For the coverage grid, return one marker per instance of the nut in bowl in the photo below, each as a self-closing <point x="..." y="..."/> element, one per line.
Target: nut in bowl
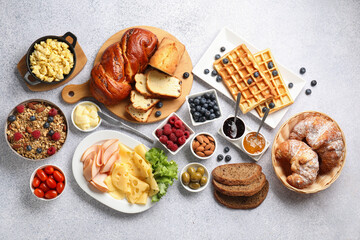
<point x="36" y="129"/>
<point x="173" y="133"/>
<point x="203" y="107"/>
<point x="47" y="182"/>
<point x="203" y="145"/>
<point x="318" y="154"/>
<point x="194" y="177"/>
<point x="84" y="116"/>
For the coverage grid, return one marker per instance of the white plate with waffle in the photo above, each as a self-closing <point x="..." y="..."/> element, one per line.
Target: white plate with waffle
<point x="228" y="39"/>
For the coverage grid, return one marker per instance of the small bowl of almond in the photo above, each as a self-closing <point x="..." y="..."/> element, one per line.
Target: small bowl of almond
<point x="203" y="145"/>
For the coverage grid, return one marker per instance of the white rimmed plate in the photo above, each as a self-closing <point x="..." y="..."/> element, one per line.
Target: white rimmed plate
<point x="105" y="198"/>
<point x="228" y="39"/>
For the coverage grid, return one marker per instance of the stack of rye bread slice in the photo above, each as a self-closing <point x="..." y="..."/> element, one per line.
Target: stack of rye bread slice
<point x="240" y="185"/>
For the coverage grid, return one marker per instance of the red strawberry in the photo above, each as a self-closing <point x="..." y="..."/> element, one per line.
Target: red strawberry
<point x="163" y="139"/>
<point x="179" y="133"/>
<point x="172" y="137"/>
<point x="51" y="151"/>
<point x="178" y="124"/>
<point x="167" y="131"/>
<point x="158" y="132"/>
<point x="53" y="112"/>
<point x="181" y="140"/>
<point x="20" y="108"/>
<point x="17" y="136"/>
<point x="56" y="136"/>
<point x="36" y="134"/>
<point x="187" y="134"/>
<point x="172" y="120"/>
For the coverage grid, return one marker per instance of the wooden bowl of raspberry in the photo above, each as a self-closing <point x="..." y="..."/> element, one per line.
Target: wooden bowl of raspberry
<point x="173" y="133"/>
<point x="36" y="129"/>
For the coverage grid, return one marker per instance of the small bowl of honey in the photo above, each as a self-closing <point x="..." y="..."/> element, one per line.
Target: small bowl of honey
<point x="253" y="145"/>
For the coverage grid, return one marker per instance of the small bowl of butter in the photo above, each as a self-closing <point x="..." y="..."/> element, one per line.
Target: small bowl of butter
<point x="85" y="116"/>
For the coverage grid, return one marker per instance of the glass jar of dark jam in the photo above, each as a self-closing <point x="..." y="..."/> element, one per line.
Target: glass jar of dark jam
<point x="229" y="130"/>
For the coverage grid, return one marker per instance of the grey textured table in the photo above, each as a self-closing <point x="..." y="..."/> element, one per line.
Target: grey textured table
<point x="323" y="36"/>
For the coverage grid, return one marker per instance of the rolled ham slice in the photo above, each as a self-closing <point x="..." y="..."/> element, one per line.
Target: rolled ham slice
<point x="98" y="182"/>
<point x="107" y="167"/>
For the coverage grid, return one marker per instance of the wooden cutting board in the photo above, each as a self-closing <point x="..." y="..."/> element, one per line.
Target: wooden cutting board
<point x="41" y="87"/>
<point x="74" y="93"/>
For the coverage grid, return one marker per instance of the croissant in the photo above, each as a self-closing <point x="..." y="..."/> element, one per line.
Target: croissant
<point x="324" y="137"/>
<point x="111" y="78"/>
<point x="304" y="162"/>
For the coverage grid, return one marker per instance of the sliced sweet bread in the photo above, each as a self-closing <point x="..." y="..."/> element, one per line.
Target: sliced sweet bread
<point x="139" y="115"/>
<point x="243" y="202"/>
<point x="140" y="102"/>
<point x="140" y="86"/>
<point x="163" y="85"/>
<point x="237" y="173"/>
<point x="241" y="190"/>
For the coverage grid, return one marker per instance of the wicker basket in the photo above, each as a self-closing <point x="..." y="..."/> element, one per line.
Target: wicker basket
<point x="283" y="170"/>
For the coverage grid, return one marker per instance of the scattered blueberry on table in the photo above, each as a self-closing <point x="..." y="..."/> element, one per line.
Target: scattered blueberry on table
<point x="308" y="91"/>
<point x="206" y="71"/>
<point x="186" y="75"/>
<point x="226" y="149"/>
<point x="217" y="56"/>
<point x="313" y="83"/>
<point x="214" y="73"/>
<point x="302" y="70"/>
<point x="218" y="78"/>
<point x="220" y="157"/>
<point x="227" y="158"/>
<point x="290" y="85"/>
<point x="222" y="49"/>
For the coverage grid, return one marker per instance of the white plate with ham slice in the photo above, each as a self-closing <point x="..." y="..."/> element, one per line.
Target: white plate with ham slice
<point x="93" y="187"/>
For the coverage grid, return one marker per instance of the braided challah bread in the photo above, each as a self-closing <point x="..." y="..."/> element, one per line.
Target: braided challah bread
<point x="324" y="137"/>
<point x="304" y="162"/>
<point x="111" y="78"/>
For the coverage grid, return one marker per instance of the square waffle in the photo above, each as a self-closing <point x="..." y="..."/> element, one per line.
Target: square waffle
<point x="282" y="96"/>
<point x="236" y="68"/>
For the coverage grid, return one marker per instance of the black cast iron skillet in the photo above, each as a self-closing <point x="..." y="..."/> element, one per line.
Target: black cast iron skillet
<point x="31" y="49"/>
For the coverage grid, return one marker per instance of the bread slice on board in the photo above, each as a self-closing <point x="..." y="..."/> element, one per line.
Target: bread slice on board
<point x="163" y="85"/>
<point x="168" y="56"/>
<point x="243" y="202"/>
<point x="236" y="173"/>
<point x="241" y="190"/>
<point x="140" y="102"/>
<point x="140" y="86"/>
<point x="139" y="115"/>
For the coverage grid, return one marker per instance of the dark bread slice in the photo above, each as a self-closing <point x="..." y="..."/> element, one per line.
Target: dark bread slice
<point x="241" y="190"/>
<point x="243" y="202"/>
<point x="236" y="173"/>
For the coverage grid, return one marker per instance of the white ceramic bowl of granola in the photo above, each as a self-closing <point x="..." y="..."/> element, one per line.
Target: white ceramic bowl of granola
<point x="195" y="165"/>
<point x="85" y="103"/>
<point x="32" y="189"/>
<point x="20" y="147"/>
